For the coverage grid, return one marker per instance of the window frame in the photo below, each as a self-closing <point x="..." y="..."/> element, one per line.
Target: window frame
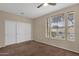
<point x="65" y="16"/>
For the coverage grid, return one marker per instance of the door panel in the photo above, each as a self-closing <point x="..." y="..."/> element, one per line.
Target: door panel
<point x="16" y="32"/>
<point x="10" y="32"/>
<point x="23" y="32"/>
<point x="28" y="32"/>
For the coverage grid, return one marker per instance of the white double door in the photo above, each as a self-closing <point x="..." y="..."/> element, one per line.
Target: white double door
<point x="16" y="32"/>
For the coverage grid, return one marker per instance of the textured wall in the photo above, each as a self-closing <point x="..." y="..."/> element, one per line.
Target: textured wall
<point x="40" y="27"/>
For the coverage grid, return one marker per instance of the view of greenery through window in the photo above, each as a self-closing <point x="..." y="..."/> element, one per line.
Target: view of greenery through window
<point x="71" y="27"/>
<point x="57" y="26"/>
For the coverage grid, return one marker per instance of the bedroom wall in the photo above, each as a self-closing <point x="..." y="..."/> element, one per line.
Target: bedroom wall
<point x="40" y="27"/>
<point x="9" y="16"/>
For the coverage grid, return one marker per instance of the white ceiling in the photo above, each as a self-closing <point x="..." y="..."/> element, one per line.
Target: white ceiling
<point x="30" y="10"/>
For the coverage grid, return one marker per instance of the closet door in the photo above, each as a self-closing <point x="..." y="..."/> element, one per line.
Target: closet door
<point x="10" y="32"/>
<point x="28" y="31"/>
<point x="23" y="32"/>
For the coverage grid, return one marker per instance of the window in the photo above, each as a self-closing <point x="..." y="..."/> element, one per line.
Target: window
<point x="57" y="27"/>
<point x="61" y="26"/>
<point x="71" y="26"/>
